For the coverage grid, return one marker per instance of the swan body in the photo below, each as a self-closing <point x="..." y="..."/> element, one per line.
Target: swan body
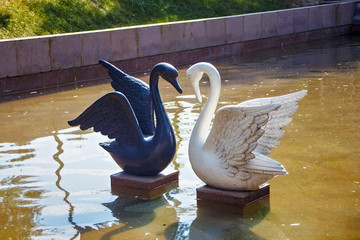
<point x="232" y="155"/>
<point x="127" y="114"/>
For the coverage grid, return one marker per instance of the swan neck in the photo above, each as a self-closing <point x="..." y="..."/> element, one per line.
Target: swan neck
<point x="160" y="113"/>
<point x="202" y="126"/>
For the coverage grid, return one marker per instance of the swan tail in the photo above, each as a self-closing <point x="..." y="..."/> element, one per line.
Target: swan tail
<point x="265" y="164"/>
<point x="112" y="68"/>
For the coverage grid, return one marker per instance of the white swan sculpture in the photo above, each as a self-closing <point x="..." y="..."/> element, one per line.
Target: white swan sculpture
<point x="232" y="155"/>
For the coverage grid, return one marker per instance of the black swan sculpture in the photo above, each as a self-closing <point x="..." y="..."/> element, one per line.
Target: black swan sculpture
<point x="140" y="147"/>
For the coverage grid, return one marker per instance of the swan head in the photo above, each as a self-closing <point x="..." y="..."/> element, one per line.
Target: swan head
<point x="195" y="73"/>
<point x="169" y="73"/>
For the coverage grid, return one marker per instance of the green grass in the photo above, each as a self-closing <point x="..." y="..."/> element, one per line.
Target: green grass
<point x="22" y="18"/>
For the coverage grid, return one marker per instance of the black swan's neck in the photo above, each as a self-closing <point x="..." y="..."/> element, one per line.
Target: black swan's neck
<point x="162" y="119"/>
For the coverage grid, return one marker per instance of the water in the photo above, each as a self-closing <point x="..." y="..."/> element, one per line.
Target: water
<point x="55" y="180"/>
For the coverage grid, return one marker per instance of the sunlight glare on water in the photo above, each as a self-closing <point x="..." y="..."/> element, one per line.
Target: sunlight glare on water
<point x="55" y="180"/>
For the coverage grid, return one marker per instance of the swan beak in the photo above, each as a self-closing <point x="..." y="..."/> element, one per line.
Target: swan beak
<point x="176" y="85"/>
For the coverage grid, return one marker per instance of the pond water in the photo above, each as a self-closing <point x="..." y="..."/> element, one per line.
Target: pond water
<point x="55" y="180"/>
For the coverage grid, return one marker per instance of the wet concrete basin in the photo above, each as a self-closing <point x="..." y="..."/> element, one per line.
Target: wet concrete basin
<point x="50" y="187"/>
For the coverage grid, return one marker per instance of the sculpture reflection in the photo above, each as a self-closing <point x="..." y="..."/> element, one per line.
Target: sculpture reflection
<point x="219" y="223"/>
<point x="137" y="219"/>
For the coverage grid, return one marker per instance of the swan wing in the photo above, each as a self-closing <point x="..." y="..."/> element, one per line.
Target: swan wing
<point x="111" y="115"/>
<point x="278" y="119"/>
<point x="138" y="94"/>
<point x="234" y="134"/>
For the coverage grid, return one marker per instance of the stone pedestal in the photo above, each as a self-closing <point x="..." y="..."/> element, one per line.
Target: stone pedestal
<point x="145" y="187"/>
<point x="239" y="202"/>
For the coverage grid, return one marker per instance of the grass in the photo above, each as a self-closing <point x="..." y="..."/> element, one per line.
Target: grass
<point x="23" y="18"/>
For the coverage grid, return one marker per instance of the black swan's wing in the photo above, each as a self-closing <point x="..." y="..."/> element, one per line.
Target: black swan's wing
<point x="138" y="94"/>
<point x="112" y="116"/>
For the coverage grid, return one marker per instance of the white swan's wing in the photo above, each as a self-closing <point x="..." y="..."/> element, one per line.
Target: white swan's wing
<point x="278" y="119"/>
<point x="235" y="132"/>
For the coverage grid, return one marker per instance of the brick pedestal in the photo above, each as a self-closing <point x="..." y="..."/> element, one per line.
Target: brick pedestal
<point x="145" y="187"/>
<point x="233" y="201"/>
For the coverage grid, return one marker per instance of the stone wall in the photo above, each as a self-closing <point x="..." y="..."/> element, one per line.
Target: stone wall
<point x="38" y="63"/>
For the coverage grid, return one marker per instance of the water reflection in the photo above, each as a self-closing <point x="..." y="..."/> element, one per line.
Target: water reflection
<point x="54" y="179"/>
<point x="136" y="219"/>
<point x="174" y="118"/>
<point x="216" y="225"/>
<point x="18" y="194"/>
<point x="56" y="157"/>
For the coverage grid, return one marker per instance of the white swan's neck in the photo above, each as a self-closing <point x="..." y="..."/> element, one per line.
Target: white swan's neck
<point x="202" y="127"/>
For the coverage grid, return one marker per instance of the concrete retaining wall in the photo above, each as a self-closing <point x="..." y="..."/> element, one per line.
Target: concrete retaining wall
<point x="44" y="62"/>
